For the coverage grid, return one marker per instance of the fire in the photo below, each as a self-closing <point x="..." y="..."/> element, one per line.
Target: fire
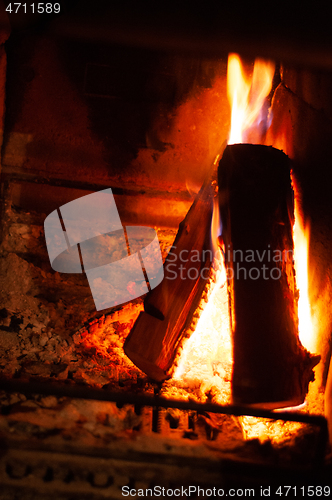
<point x="205" y="364"/>
<point x="204" y="367"/>
<point x="301" y="236"/>
<point x="247" y="97"/>
<point x="208" y="352"/>
<point x="247" y="102"/>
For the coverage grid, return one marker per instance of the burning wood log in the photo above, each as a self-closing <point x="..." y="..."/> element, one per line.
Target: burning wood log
<point x="271" y="367"/>
<point x="154" y="339"/>
<point x="189" y="255"/>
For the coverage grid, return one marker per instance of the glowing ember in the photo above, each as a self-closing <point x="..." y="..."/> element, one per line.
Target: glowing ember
<point x="301" y="234"/>
<point x="247" y="97"/>
<point x="265" y="429"/>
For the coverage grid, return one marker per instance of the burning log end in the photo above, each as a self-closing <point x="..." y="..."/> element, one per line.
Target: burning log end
<point x="313" y="361"/>
<point x="141" y="346"/>
<point x="306" y="373"/>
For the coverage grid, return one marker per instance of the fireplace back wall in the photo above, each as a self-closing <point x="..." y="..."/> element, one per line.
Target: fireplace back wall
<point x="84" y="113"/>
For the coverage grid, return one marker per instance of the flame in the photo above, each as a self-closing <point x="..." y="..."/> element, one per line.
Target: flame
<point x="205" y="363"/>
<point x="205" y="333"/>
<point x="216" y="227"/>
<point x="301" y="237"/>
<point x="247" y="97"/>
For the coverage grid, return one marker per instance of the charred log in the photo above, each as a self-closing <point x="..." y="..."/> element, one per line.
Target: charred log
<point x="271" y="367"/>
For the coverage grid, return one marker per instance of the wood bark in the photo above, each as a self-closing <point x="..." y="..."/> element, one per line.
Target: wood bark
<point x="155" y="336"/>
<point x="271" y="367"/>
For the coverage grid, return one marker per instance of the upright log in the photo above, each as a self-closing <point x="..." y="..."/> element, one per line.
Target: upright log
<point x="271" y="367"/>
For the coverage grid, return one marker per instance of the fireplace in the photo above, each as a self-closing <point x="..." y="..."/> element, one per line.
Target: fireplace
<point x="89" y="109"/>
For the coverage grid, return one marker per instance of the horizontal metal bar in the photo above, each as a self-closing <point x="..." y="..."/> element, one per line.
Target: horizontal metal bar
<point x="79" y="392"/>
<point x="18" y="176"/>
<point x="122" y="398"/>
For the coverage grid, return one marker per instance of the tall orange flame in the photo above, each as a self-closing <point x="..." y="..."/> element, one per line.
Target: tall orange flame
<point x="301" y="237"/>
<point x="247" y="96"/>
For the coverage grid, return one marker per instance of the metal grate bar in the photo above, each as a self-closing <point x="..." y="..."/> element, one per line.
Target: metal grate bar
<point x="78" y="392"/>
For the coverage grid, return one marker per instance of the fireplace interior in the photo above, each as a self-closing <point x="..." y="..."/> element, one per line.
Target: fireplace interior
<point x="116" y="99"/>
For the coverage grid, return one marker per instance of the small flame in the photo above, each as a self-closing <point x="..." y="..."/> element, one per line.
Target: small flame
<point x="301" y="237"/>
<point x="216" y="226"/>
<point x="247" y="97"/>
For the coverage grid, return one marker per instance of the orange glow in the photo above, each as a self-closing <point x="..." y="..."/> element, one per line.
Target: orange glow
<point x="247" y="97"/>
<point x="205" y="363"/>
<point x="208" y="353"/>
<point x="301" y="236"/>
